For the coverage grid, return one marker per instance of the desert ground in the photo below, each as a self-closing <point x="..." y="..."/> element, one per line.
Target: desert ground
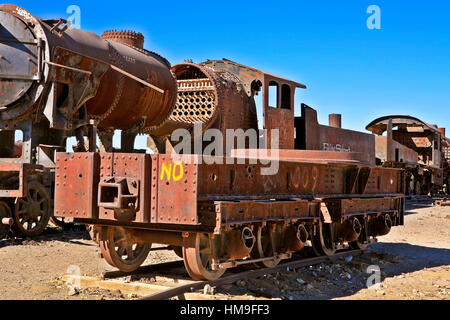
<point x="414" y="261"/>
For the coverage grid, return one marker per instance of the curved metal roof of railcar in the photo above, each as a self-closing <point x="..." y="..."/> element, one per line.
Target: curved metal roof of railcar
<point x="380" y="125"/>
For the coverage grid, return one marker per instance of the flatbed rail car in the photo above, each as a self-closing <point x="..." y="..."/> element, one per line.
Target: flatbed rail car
<point x="419" y="148"/>
<point x="218" y="217"/>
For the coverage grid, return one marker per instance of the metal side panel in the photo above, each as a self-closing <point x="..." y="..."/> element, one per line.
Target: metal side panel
<point x="76" y="185"/>
<point x="174" y="191"/>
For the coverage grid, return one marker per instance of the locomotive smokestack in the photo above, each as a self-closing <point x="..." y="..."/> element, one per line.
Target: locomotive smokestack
<point x="336" y="121"/>
<point x="129" y="38"/>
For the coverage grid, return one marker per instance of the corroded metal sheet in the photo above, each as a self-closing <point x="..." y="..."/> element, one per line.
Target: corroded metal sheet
<point x="174" y="190"/>
<point x="76" y="184"/>
<point x="340" y="208"/>
<point x="313" y="136"/>
<point x="283" y="121"/>
<point x="241" y="211"/>
<point x="128" y="166"/>
<point x="14" y="179"/>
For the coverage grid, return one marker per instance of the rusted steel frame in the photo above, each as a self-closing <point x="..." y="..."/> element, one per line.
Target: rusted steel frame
<point x="179" y="291"/>
<point x="302" y="156"/>
<point x="369" y="213"/>
<point x="192" y="183"/>
<point x="159" y="237"/>
<point x="320" y="197"/>
<point x="256" y="211"/>
<point x="146" y="227"/>
<point x="234" y="264"/>
<point x="339" y="208"/>
<point x="23" y="171"/>
<point x="240" y="222"/>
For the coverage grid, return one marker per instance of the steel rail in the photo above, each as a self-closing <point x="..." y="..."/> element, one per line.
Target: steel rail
<point x="181" y="290"/>
<point x="142" y="270"/>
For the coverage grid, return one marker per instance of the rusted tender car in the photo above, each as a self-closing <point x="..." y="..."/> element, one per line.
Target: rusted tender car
<point x="221" y="212"/>
<point x="419" y="148"/>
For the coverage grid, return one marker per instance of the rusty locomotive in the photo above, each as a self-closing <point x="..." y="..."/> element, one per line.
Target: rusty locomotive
<point x="55" y="83"/>
<point x="216" y="213"/>
<point x="419" y="148"/>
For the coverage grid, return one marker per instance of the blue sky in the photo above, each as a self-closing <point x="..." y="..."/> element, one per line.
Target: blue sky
<point x="404" y="68"/>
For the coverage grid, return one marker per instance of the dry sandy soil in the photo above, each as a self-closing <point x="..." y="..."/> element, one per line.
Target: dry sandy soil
<point x="414" y="261"/>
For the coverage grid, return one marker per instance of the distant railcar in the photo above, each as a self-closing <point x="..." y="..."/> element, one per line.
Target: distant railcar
<point x="419" y="148"/>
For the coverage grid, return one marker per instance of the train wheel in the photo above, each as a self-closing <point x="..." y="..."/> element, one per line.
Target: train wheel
<point x="5" y="213"/>
<point x="120" y="252"/>
<point x="178" y="251"/>
<point x="322" y="240"/>
<point x="198" y="260"/>
<point x="32" y="214"/>
<point x="264" y="247"/>
<point x="358" y="245"/>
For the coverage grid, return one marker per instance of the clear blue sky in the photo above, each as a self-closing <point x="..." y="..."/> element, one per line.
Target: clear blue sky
<point x="404" y="68"/>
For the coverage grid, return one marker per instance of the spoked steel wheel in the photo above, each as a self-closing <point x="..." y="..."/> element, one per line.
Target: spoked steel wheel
<point x="198" y="260"/>
<point x="322" y="240"/>
<point x="264" y="247"/>
<point x="32" y="214"/>
<point x="178" y="251"/>
<point x="120" y="252"/>
<point x="5" y="213"/>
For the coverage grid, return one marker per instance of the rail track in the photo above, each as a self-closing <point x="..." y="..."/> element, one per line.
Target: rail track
<point x="181" y="290"/>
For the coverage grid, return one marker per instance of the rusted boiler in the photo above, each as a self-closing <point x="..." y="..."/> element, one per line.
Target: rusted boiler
<point x="57" y="82"/>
